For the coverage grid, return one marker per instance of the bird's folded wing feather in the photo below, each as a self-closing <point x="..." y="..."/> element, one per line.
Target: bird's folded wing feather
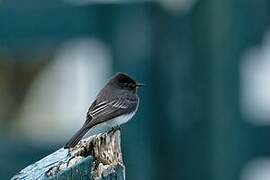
<point x="103" y="111"/>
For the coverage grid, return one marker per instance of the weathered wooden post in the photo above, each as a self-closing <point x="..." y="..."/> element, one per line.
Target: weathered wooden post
<point x="98" y="157"/>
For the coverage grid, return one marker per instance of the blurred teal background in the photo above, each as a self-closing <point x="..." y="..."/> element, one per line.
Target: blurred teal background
<point x="204" y="114"/>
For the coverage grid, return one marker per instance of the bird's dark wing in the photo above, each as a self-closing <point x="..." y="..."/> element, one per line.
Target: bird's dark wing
<point x="106" y="110"/>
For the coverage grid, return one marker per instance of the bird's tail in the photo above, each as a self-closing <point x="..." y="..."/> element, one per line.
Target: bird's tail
<point x="76" y="138"/>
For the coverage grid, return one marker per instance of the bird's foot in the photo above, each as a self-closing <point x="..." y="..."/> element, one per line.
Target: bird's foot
<point x="118" y="128"/>
<point x="115" y="128"/>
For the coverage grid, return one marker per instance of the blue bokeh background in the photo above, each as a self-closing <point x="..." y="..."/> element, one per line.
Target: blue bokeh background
<point x="203" y="114"/>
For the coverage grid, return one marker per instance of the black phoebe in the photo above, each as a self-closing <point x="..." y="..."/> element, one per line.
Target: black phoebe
<point x="115" y="104"/>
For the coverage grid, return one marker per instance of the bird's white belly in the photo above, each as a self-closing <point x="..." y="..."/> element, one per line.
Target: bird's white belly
<point x="120" y="120"/>
<point x="108" y="125"/>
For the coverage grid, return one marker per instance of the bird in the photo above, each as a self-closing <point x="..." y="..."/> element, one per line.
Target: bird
<point x="116" y="103"/>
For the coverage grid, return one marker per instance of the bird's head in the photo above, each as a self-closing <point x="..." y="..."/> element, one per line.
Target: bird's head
<point x="124" y="81"/>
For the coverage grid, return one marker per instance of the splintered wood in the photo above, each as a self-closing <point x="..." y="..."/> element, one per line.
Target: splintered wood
<point x="105" y="150"/>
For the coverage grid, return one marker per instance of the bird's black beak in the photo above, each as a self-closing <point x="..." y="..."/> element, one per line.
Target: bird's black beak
<point x="140" y="84"/>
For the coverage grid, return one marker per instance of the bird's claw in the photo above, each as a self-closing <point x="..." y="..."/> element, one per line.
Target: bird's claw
<point x="115" y="128"/>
